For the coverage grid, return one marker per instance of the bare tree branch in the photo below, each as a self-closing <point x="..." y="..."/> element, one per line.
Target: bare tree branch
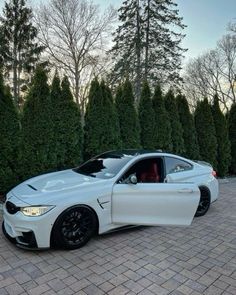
<point x="75" y="35"/>
<point x="213" y="72"/>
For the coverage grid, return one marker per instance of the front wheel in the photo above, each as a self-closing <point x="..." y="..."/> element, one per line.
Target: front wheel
<point x="204" y="203"/>
<point x="74" y="227"/>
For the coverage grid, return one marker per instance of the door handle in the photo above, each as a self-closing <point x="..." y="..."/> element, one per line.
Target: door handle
<point x="185" y="190"/>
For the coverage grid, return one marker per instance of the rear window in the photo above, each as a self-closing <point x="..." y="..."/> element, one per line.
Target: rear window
<point x="174" y="165"/>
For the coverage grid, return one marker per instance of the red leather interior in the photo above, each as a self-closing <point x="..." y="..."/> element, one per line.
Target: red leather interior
<point x="150" y="175"/>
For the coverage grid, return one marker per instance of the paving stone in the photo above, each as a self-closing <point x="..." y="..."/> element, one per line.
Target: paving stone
<point x="3" y="291"/>
<point x="158" y="290"/>
<point x="56" y="284"/>
<point x="146" y="292"/>
<point x="212" y="290"/>
<point x="220" y="284"/>
<point x="134" y="286"/>
<point x="120" y="290"/>
<point x="196" y="260"/>
<point x="118" y="280"/>
<point x="39" y="290"/>
<point x="171" y="285"/>
<point x="79" y="285"/>
<point x="6" y="282"/>
<point x="14" y="289"/>
<point x="65" y="291"/>
<point x="92" y="290"/>
<point x="231" y="290"/>
<point x="106" y="287"/>
<point x="185" y="289"/>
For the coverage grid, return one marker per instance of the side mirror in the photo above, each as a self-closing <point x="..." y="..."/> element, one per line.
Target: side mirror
<point x="133" y="179"/>
<point x="167" y="179"/>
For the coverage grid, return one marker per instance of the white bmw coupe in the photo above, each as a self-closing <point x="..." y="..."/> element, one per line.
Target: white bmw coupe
<point x="112" y="190"/>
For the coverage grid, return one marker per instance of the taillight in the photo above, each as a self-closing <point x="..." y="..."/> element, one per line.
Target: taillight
<point x="214" y="173"/>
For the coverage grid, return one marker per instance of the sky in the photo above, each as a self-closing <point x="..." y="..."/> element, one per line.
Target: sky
<point x="206" y="21"/>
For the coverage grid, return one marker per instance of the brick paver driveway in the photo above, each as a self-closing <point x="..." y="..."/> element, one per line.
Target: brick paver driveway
<point x="199" y="259"/>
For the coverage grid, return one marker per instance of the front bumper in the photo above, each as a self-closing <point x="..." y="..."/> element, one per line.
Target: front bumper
<point x="27" y="232"/>
<point x="26" y="241"/>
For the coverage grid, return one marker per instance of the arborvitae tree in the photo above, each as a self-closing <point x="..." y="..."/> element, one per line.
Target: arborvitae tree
<point x="162" y="125"/>
<point x="222" y="137"/>
<point x="37" y="146"/>
<point x="176" y="126"/>
<point x="147" y="47"/>
<point x="67" y="135"/>
<point x="19" y="50"/>
<point x="101" y="121"/>
<point x="128" y="118"/>
<point x="111" y="130"/>
<point x="206" y="135"/>
<point x="93" y="121"/>
<point x="189" y="132"/>
<point x="146" y="118"/>
<point x="9" y="139"/>
<point x="232" y="137"/>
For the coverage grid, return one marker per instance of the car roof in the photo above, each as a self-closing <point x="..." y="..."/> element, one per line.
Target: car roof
<point x="137" y="152"/>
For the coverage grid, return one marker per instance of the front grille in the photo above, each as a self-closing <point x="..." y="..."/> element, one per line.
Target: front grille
<point x="11" y="208"/>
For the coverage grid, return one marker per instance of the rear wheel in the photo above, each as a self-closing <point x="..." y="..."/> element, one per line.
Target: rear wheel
<point x="74" y="227"/>
<point x="204" y="203"/>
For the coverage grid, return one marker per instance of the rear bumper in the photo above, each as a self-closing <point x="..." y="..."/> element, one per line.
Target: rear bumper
<point x="214" y="189"/>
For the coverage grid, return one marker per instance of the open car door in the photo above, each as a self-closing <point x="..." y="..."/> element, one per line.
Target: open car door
<point x="154" y="203"/>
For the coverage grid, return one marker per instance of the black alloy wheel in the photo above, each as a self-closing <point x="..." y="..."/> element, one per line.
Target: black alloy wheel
<point x="74" y="227"/>
<point x="204" y="203"/>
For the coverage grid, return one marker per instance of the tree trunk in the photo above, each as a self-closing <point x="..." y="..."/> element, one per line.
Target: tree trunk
<point x="77" y="86"/>
<point x="15" y="92"/>
<point x="147" y="40"/>
<point x="138" y="55"/>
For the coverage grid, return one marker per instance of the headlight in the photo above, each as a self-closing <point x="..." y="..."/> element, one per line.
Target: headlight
<point x="36" y="210"/>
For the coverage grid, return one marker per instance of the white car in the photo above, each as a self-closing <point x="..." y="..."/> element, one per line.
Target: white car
<point x="112" y="190"/>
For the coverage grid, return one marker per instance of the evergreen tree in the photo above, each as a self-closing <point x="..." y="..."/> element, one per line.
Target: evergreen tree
<point x="162" y="126"/>
<point x="176" y="127"/>
<point x="9" y="139"/>
<point x="146" y="118"/>
<point x="128" y="119"/>
<point x="67" y="135"/>
<point x="127" y="51"/>
<point x="111" y="131"/>
<point x="206" y="135"/>
<point x="232" y="137"/>
<point x="19" y="50"/>
<point x="147" y="47"/>
<point x="101" y="121"/>
<point x="37" y="146"/>
<point x="93" y="121"/>
<point x="222" y="137"/>
<point x="189" y="132"/>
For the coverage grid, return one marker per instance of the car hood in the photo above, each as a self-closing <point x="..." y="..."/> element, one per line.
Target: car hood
<point x="54" y="182"/>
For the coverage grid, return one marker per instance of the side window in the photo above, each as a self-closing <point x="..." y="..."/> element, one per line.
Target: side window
<point x="174" y="165"/>
<point x="147" y="171"/>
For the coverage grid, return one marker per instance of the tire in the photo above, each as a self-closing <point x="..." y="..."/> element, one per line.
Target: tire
<point x="74" y="228"/>
<point x="204" y="203"/>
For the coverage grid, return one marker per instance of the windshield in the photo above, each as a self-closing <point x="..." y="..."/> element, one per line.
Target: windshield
<point x="104" y="166"/>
